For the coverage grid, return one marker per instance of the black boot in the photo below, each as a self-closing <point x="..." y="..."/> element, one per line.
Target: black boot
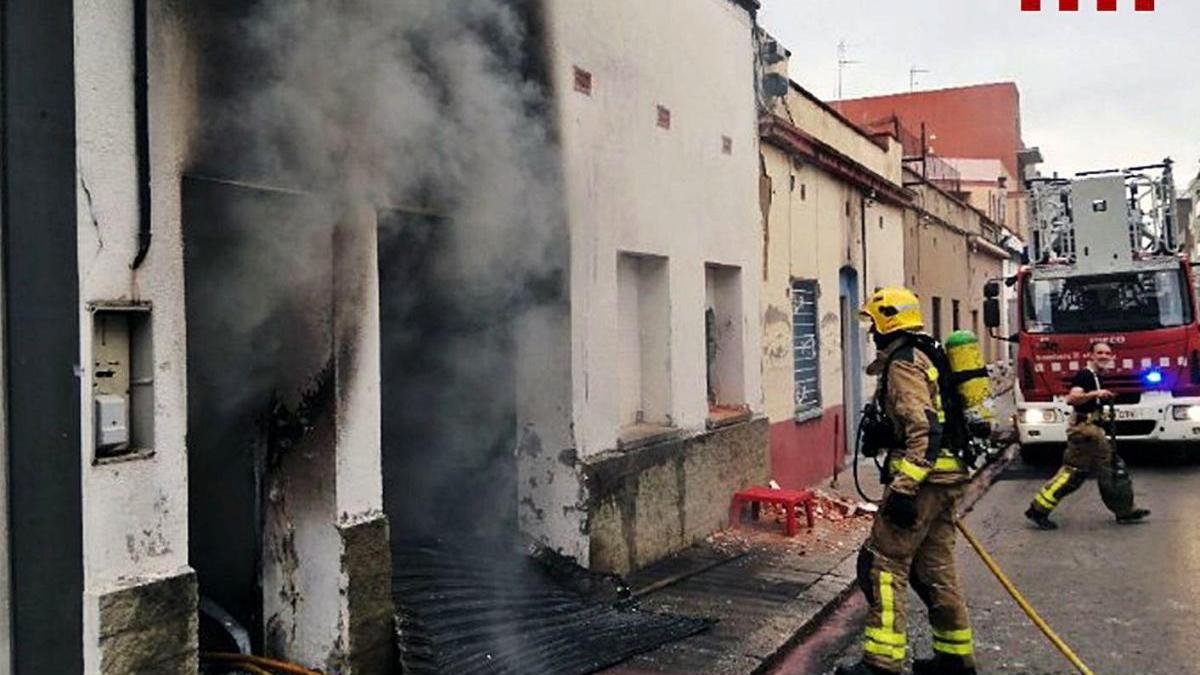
<point x="1133" y="516"/>
<point x="1042" y="520"/>
<point x="942" y="664"/>
<point x="860" y="668"/>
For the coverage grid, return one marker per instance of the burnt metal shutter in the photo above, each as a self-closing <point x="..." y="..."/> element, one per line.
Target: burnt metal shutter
<point x="806" y="349"/>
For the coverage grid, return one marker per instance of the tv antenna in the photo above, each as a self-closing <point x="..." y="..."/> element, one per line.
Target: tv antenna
<point x="843" y="50"/>
<point x="912" y="77"/>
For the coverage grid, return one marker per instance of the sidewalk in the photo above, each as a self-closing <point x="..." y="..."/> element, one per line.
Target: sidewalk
<point x="766" y="590"/>
<point x="763" y="587"/>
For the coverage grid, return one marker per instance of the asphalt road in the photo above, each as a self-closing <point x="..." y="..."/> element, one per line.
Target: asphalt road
<point x="1126" y="598"/>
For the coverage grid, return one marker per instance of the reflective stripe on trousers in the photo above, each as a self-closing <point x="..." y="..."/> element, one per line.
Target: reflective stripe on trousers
<point x="1048" y="496"/>
<point x="954" y="642"/>
<point x="885" y="641"/>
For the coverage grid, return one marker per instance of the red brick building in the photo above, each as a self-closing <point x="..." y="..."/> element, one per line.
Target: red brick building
<point x="975" y="122"/>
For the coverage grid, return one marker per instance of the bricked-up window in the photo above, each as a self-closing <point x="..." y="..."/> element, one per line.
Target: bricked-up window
<point x="644" y="340"/>
<point x="664" y="117"/>
<point x="806" y="349"/>
<point x="583" y="81"/>
<point x="723" y="327"/>
<point x="937" y="318"/>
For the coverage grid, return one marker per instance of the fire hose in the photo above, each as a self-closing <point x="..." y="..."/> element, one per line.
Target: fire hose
<point x="1021" y="601"/>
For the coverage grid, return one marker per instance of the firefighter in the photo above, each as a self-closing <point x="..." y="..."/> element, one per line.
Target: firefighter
<point x="912" y="539"/>
<point x="1089" y="450"/>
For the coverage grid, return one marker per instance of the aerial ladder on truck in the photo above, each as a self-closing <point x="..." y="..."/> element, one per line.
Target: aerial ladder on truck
<point x="1149" y="222"/>
<point x="1106" y="263"/>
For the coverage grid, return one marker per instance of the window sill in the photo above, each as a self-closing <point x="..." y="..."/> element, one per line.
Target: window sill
<point x="640" y="435"/>
<point x="133" y="456"/>
<point x="726" y="415"/>
<point x="803" y="416"/>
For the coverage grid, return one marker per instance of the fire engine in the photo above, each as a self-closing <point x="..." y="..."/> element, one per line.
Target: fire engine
<point x="1107" y="262"/>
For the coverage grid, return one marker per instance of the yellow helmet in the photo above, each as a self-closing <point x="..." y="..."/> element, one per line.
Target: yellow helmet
<point x="893" y="309"/>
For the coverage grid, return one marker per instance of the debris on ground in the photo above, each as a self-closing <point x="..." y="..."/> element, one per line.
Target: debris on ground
<point x="839" y="520"/>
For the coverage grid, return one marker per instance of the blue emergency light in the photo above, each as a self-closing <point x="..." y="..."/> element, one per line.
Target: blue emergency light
<point x="1152" y="377"/>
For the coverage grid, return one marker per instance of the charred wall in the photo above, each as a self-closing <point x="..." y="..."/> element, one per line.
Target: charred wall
<point x="441" y="106"/>
<point x="250" y="383"/>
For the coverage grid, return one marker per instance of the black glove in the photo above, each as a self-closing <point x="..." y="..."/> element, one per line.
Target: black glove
<point x="900" y="510"/>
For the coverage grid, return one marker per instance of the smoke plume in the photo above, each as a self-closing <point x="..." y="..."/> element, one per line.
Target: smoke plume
<point x="435" y="115"/>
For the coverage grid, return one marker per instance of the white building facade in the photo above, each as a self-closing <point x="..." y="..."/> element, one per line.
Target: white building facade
<point x="660" y="164"/>
<point x="102" y="106"/>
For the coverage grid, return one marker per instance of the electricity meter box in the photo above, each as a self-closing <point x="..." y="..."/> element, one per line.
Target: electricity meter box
<point x="122" y="380"/>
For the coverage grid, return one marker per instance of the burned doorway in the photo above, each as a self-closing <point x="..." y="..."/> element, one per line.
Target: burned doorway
<point x="258" y="284"/>
<point x="448" y="388"/>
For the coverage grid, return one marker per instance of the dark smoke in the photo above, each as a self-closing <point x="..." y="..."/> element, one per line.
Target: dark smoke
<point x="434" y="115"/>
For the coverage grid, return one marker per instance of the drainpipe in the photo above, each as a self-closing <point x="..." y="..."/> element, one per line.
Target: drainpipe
<point x="867" y="290"/>
<point x="142" y="124"/>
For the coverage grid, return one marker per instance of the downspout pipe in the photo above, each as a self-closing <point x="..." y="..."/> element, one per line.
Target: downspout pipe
<point x="141" y="83"/>
<point x="866" y="286"/>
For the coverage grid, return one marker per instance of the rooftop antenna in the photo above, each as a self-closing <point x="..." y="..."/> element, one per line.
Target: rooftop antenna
<point x="912" y="77"/>
<point x="843" y="61"/>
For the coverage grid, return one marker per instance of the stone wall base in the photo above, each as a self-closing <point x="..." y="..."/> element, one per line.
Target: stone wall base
<point x="367" y="565"/>
<point x="150" y="627"/>
<point x="647" y="503"/>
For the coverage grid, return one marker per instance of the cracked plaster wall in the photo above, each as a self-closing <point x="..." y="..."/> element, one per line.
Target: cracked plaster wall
<point x="624" y="194"/>
<point x="134" y="512"/>
<point x="812" y="228"/>
<point x="135" y="518"/>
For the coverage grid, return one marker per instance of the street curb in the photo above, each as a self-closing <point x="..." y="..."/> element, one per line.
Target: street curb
<point x="845" y="573"/>
<point x="844" y="577"/>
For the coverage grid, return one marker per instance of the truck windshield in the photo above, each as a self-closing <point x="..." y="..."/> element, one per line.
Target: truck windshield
<point x="1108" y="303"/>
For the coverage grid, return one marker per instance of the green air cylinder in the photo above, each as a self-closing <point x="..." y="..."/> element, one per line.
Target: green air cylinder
<point x="966" y="357"/>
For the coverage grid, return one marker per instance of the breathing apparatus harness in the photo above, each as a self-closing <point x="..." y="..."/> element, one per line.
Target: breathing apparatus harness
<point x="961" y="433"/>
<point x="965" y="435"/>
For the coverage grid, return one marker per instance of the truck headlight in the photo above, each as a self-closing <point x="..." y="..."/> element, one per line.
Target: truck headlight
<point x="1041" y="416"/>
<point x="1186" y="412"/>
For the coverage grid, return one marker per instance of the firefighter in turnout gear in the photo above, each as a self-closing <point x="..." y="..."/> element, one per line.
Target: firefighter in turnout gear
<point x="1089" y="450"/>
<point x="912" y="539"/>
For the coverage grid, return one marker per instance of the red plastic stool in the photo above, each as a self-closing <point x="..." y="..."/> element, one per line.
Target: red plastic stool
<point x="789" y="499"/>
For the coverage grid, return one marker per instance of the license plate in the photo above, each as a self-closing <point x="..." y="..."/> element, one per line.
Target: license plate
<point x="1127" y="414"/>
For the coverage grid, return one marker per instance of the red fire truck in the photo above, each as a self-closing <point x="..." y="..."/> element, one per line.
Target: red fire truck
<point x="1107" y="262"/>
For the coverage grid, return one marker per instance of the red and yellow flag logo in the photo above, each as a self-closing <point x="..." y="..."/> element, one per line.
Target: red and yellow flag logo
<point x="1101" y="5"/>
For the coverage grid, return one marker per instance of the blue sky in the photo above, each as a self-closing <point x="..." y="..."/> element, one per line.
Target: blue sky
<point x="1098" y="90"/>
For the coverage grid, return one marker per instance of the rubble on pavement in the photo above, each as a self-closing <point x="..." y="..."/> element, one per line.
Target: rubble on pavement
<point x="840" y="521"/>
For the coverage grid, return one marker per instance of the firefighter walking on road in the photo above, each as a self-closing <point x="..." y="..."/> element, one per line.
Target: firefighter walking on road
<point x="1089" y="450"/>
<point x="913" y="537"/>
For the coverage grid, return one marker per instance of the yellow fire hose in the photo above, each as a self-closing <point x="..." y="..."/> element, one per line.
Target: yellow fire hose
<point x="1021" y="601"/>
